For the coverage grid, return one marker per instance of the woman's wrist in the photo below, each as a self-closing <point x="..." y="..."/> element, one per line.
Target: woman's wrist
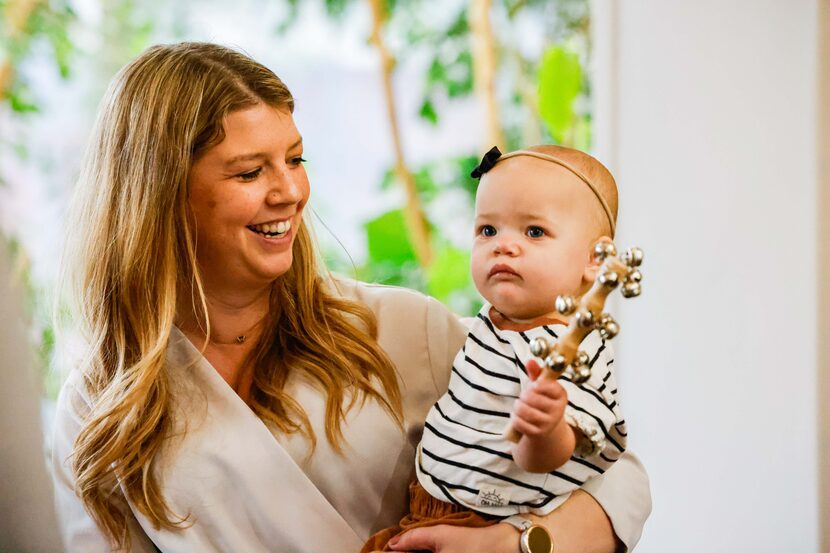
<point x="507" y="538"/>
<point x="580" y="525"/>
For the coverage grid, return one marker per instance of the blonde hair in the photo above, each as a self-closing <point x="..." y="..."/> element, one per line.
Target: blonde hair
<point x="130" y="251"/>
<point x="599" y="175"/>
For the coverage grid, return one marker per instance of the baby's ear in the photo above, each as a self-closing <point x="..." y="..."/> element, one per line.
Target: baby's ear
<point x="589" y="275"/>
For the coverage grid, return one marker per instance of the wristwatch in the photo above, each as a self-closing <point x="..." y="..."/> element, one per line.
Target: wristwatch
<point x="533" y="538"/>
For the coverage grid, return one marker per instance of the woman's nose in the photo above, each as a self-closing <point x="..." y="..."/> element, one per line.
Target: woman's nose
<point x="284" y="189"/>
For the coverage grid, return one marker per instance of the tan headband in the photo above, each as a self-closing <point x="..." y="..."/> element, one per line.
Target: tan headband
<point x="572" y="169"/>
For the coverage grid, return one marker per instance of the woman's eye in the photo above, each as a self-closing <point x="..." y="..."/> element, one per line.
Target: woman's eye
<point x="298" y="160"/>
<point x="250" y="175"/>
<point x="535" y="232"/>
<point x="487" y="230"/>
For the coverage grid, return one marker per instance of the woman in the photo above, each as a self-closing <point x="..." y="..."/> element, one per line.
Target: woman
<point x="232" y="399"/>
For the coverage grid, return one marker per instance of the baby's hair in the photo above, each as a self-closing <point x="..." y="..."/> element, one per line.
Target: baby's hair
<point x="597" y="173"/>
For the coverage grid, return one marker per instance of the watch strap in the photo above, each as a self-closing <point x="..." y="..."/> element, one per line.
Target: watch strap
<point x="533" y="538"/>
<point x="518" y="522"/>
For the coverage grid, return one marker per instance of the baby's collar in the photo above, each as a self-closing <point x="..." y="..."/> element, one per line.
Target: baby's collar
<point x="504" y="323"/>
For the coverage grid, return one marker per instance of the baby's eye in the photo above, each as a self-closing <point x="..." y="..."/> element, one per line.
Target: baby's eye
<point x="535" y="232"/>
<point x="487" y="230"/>
<point x="250" y="175"/>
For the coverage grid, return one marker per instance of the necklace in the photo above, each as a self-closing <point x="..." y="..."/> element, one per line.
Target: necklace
<point x="239" y="339"/>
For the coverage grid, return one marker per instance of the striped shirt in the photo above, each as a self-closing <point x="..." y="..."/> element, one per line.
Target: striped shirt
<point x="463" y="457"/>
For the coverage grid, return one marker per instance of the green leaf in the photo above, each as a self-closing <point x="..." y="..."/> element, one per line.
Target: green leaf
<point x="290" y="18"/>
<point x="425" y="184"/>
<point x="449" y="272"/>
<point x="388" y="239"/>
<point x="436" y="72"/>
<point x="20" y="101"/>
<point x="459" y="81"/>
<point x="388" y="180"/>
<point x="428" y="113"/>
<point x="560" y="80"/>
<point x="336" y="9"/>
<point x="460" y="26"/>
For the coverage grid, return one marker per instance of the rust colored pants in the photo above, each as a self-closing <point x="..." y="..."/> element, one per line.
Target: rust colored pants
<point x="425" y="510"/>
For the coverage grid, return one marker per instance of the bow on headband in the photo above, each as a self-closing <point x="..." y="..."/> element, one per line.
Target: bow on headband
<point x="487" y="162"/>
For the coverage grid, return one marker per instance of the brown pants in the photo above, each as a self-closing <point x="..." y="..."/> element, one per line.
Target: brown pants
<point x="425" y="510"/>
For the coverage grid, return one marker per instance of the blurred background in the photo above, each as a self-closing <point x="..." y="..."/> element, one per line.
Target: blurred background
<point x="713" y="115"/>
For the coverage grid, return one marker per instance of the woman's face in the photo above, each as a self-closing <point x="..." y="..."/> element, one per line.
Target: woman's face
<point x="247" y="196"/>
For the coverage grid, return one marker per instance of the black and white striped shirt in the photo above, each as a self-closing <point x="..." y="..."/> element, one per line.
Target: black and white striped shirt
<point x="463" y="457"/>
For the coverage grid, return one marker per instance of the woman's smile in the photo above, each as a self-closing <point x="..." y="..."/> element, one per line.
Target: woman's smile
<point x="272" y="229"/>
<point x="274" y="235"/>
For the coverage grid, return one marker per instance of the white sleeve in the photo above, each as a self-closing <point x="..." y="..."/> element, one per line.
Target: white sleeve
<point x="624" y="493"/>
<point x="79" y="531"/>
<point x="593" y="406"/>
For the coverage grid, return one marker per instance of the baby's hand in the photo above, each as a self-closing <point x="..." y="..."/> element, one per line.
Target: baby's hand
<point x="541" y="407"/>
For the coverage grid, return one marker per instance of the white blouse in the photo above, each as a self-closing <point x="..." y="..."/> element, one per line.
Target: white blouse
<point x="245" y="488"/>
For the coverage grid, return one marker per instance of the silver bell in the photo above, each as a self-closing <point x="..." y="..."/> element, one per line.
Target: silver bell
<point x="565" y="305"/>
<point x="631" y="289"/>
<point x="634" y="276"/>
<point x="609" y="328"/>
<point x="584" y="318"/>
<point x="609" y="279"/>
<point x="604" y="249"/>
<point x="581" y="358"/>
<point x="633" y="257"/>
<point x="539" y="347"/>
<point x="556" y="362"/>
<point x="580" y="373"/>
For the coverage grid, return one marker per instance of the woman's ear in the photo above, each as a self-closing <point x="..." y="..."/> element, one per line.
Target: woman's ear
<point x="589" y="275"/>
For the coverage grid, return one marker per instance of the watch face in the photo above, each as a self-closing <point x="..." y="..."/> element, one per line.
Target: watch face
<point x="537" y="540"/>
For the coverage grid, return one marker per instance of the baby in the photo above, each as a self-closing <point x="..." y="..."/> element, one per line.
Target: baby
<point x="538" y="214"/>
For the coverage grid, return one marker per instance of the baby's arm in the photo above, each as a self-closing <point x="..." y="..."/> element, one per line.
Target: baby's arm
<point x="547" y="441"/>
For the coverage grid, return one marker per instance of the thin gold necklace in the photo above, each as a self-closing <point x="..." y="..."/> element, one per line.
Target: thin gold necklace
<point x="240" y="339"/>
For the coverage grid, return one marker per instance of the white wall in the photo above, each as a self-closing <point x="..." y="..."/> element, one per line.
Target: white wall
<point x="708" y="116"/>
<point x="823" y="249"/>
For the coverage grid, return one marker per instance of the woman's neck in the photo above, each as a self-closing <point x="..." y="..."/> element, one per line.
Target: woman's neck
<point x="236" y="316"/>
<point x="236" y="322"/>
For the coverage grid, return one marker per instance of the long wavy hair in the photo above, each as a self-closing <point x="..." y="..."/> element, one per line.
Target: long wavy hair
<point x="131" y="250"/>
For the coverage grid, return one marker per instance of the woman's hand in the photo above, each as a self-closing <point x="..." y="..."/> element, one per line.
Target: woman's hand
<point x="499" y="538"/>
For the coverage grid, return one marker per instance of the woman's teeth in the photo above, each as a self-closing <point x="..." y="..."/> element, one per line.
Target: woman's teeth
<point x="272" y="229"/>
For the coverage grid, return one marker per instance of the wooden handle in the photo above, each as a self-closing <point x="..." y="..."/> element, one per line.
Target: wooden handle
<point x="568" y="345"/>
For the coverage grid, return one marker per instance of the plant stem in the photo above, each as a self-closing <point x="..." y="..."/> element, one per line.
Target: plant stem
<point x="484" y="69"/>
<point x="415" y="219"/>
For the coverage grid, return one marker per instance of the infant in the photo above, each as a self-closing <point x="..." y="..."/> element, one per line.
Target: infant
<point x="538" y="214"/>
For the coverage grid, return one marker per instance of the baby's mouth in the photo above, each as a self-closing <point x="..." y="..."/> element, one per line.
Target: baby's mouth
<point x="503" y="270"/>
<point x="273" y="229"/>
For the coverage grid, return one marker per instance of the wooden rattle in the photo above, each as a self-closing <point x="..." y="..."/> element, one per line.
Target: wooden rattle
<point x="564" y="356"/>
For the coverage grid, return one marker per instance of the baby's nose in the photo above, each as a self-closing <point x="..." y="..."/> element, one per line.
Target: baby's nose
<point x="506" y="245"/>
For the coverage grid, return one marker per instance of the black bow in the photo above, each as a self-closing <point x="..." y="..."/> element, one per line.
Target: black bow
<point x="487" y="162"/>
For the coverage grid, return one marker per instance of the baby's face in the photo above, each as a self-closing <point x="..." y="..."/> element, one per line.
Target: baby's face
<point x="534" y="237"/>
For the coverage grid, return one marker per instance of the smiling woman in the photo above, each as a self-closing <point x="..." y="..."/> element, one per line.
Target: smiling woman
<point x="218" y="351"/>
<point x="246" y="194"/>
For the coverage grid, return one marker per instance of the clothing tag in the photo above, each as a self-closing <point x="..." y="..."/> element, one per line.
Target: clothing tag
<point x="493" y="497"/>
